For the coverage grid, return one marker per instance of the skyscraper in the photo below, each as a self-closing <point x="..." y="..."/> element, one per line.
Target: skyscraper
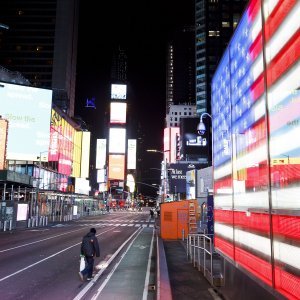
<point x="215" y="23"/>
<point x="41" y="44"/>
<point x="181" y="67"/>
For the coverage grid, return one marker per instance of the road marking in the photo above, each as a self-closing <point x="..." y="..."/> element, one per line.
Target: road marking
<point x="91" y="283"/>
<point x="46" y="258"/>
<point x="145" y="293"/>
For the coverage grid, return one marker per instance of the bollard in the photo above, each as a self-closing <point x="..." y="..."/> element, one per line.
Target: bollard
<point x="46" y="221"/>
<point x="10" y="225"/>
<point x="4" y="225"/>
<point x="29" y="223"/>
<point x="183" y="234"/>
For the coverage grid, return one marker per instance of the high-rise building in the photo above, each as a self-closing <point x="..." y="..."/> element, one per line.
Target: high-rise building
<point x="41" y="44"/>
<point x="215" y="23"/>
<point x="180" y="81"/>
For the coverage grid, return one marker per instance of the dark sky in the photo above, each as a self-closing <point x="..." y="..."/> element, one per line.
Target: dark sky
<point x="142" y="27"/>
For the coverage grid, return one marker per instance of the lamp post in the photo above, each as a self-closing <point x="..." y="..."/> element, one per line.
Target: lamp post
<point x="164" y="173"/>
<point x="38" y="181"/>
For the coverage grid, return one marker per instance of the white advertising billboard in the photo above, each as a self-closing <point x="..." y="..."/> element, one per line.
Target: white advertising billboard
<point x="82" y="186"/>
<point x="118" y="91"/>
<point x="85" y="156"/>
<point x="118" y="112"/>
<point x="100" y="153"/>
<point x="28" y="111"/>
<point x="101" y="175"/>
<point x="131" y="154"/>
<point x="117" y="140"/>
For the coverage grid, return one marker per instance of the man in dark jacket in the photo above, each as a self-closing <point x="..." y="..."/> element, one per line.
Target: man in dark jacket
<point x="90" y="249"/>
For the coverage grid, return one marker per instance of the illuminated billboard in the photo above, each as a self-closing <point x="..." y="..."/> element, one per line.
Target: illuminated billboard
<point x="100" y="153"/>
<point x="101" y="175"/>
<point x="118" y="112"/>
<point x="171" y="148"/>
<point x="3" y="142"/>
<point x="82" y="186"/>
<point x="131" y="154"/>
<point x="118" y="91"/>
<point x="194" y="146"/>
<point x="116" y="167"/>
<point x="76" y="163"/>
<point x="85" y="157"/>
<point x="256" y="153"/>
<point x="117" y="140"/>
<point x="61" y="148"/>
<point x="28" y="111"/>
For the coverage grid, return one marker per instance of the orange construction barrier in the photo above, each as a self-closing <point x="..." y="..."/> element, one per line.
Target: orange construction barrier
<point x="176" y="218"/>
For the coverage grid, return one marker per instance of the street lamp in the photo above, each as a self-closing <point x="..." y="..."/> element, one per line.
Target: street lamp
<point x="38" y="181"/>
<point x="201" y="128"/>
<point x="165" y="170"/>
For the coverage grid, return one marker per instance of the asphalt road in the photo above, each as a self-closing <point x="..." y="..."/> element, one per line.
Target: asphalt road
<point x="43" y="263"/>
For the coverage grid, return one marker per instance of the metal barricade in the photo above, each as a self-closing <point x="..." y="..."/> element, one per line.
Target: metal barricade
<point x="200" y="251"/>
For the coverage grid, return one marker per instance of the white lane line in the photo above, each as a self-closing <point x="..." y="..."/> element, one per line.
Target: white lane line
<point x="91" y="283"/>
<point x="145" y="293"/>
<point x="42" y="240"/>
<point x="46" y="258"/>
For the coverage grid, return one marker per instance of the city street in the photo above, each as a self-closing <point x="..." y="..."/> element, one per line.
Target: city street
<point x="43" y="263"/>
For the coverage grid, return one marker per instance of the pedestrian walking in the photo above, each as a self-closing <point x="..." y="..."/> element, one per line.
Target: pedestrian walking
<point x="89" y="248"/>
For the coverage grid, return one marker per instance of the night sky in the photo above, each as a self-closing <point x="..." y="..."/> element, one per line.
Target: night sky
<point x="142" y="28"/>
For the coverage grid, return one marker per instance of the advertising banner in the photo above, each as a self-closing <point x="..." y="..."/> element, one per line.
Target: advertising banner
<point x="3" y="142"/>
<point x="28" y="112"/>
<point x="177" y="176"/>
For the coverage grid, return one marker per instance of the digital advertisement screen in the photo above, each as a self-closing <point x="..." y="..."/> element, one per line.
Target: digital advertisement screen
<point x="118" y="112"/>
<point x="131" y="154"/>
<point x="101" y="153"/>
<point x="85" y="159"/>
<point x="118" y="91"/>
<point x="117" y="140"/>
<point x="194" y="145"/>
<point x="116" y="167"/>
<point x="257" y="152"/>
<point x="28" y="111"/>
<point x="177" y="176"/>
<point x="61" y="146"/>
<point x="170" y="143"/>
<point x="101" y="175"/>
<point x="3" y="142"/>
<point x="82" y="186"/>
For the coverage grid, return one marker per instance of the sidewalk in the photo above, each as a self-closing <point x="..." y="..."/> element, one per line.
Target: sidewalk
<point x="185" y="281"/>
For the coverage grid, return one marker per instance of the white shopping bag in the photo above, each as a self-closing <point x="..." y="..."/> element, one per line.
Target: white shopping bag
<point x="82" y="263"/>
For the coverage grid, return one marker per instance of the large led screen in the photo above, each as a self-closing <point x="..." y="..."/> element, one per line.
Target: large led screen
<point x="85" y="158"/>
<point x="3" y="142"/>
<point x="101" y="153"/>
<point x="116" y="167"/>
<point x="171" y="148"/>
<point x="28" y="112"/>
<point x="118" y="112"/>
<point x="256" y="146"/>
<point x="117" y="140"/>
<point x="131" y="154"/>
<point x="118" y="91"/>
<point x="195" y="146"/>
<point x="61" y="147"/>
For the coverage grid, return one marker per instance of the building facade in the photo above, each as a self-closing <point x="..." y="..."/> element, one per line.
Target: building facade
<point x="256" y="152"/>
<point x="41" y="44"/>
<point x="215" y="21"/>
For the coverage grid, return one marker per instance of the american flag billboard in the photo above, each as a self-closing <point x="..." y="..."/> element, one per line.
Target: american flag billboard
<point x="256" y="145"/>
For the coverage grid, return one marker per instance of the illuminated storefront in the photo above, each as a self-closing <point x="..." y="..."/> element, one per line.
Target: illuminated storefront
<point x="256" y="155"/>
